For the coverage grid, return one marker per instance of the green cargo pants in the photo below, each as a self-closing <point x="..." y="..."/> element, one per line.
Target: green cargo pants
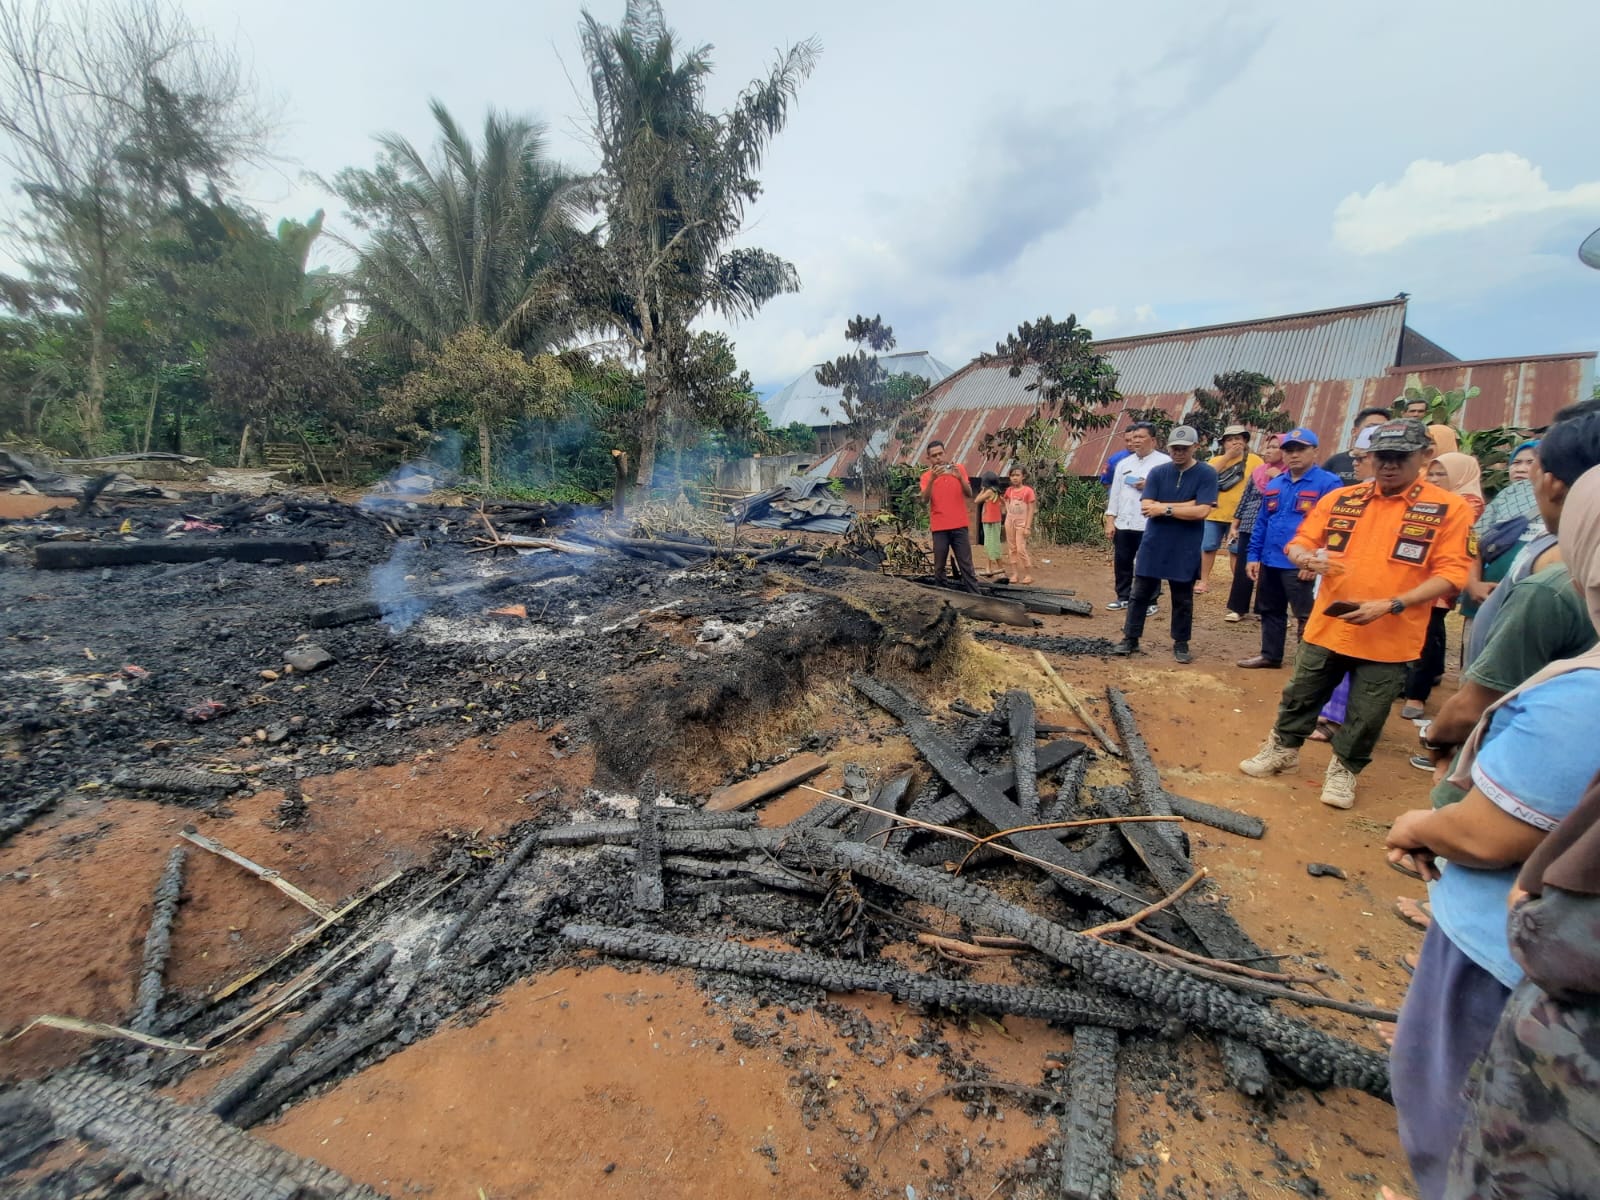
<point x="1374" y="687"/>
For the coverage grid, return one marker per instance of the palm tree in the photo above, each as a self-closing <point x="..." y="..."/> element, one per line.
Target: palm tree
<point x="674" y="181"/>
<point x="471" y="239"/>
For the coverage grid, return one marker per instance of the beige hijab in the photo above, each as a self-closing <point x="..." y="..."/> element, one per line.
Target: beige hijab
<point x="1580" y="550"/>
<point x="1463" y="475"/>
<point x="1444" y="440"/>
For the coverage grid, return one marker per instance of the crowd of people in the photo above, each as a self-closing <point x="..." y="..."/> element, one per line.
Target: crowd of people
<point x="1495" y="1060"/>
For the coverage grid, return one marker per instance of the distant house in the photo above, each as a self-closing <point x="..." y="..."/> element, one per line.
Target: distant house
<point x="1330" y="364"/>
<point x="821" y="408"/>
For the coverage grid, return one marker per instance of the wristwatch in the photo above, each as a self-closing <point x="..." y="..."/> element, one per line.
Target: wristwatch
<point x="1396" y="607"/>
<point x="1169" y="510"/>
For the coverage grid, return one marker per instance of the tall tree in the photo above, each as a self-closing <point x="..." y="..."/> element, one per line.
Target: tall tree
<point x="1234" y="398"/>
<point x="674" y="183"/>
<point x="107" y="113"/>
<point x="877" y="407"/>
<point x="469" y="240"/>
<point x="465" y="239"/>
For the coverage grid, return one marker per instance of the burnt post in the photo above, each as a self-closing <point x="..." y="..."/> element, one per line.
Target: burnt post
<point x="619" y="494"/>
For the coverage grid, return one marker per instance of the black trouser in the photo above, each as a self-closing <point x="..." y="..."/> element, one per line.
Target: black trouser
<point x="960" y="541"/>
<point x="1243" y="588"/>
<point x="1278" y="590"/>
<point x="1317" y="673"/>
<point x="1124" y="549"/>
<point x="1145" y="590"/>
<point x="1424" y="674"/>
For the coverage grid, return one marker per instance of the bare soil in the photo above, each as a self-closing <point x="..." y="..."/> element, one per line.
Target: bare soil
<point x="637" y="1081"/>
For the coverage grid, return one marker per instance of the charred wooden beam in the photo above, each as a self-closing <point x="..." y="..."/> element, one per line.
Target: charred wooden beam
<point x="1089" y="1129"/>
<point x="279" y="1091"/>
<point x="1144" y="780"/>
<point x="492" y="887"/>
<point x="158" y="942"/>
<point x="421" y="600"/>
<point x="623" y="832"/>
<point x="649" y="893"/>
<point x="887" y="800"/>
<point x="66" y="556"/>
<point x="1068" y="798"/>
<point x="767" y="783"/>
<point x="988" y="801"/>
<point x="1225" y="819"/>
<point x="237" y="1088"/>
<point x="841" y="975"/>
<point x="186" y="1152"/>
<point x="1020" y="713"/>
<point x="1308" y="1051"/>
<point x="1199" y="909"/>
<point x="178" y="782"/>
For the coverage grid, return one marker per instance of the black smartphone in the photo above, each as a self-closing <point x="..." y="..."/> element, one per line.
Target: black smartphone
<point x="1340" y="607"/>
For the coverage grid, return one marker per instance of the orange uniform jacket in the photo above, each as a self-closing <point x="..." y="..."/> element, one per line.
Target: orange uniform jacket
<point x="1389" y="545"/>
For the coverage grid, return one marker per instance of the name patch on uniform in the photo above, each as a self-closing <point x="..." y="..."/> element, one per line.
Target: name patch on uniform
<point x="1409" y="550"/>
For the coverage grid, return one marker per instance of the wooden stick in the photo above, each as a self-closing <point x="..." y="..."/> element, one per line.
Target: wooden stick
<point x="304" y="939"/>
<point x="190" y="833"/>
<point x="1077" y="706"/>
<point x="1272" y="990"/>
<point x="965" y="949"/>
<point x="964" y="836"/>
<point x="1074" y="824"/>
<point x="1127" y="923"/>
<point x="1222" y="964"/>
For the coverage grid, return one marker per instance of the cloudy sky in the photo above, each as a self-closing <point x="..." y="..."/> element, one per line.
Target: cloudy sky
<point x="959" y="168"/>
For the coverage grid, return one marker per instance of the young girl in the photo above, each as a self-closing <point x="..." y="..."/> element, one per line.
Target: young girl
<point x="990" y="516"/>
<point x="1020" y="506"/>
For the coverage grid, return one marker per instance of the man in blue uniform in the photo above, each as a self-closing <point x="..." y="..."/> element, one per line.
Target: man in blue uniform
<point x="1177" y="498"/>
<point x="1280" y="585"/>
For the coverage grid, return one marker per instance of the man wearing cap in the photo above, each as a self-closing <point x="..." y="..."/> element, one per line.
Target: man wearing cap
<point x="1233" y="467"/>
<point x="1386" y="549"/>
<point x="1280" y="585"/>
<point x="1178" y="496"/>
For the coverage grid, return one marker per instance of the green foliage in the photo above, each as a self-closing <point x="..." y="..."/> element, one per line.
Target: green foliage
<point x="674" y="183"/>
<point x="1492" y="448"/>
<point x="1246" y="398"/>
<point x="1444" y="408"/>
<point x="1071" y="509"/>
<point x="1075" y="384"/>
<point x="877" y="408"/>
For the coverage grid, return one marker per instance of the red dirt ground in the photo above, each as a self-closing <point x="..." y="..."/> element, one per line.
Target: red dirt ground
<point x="571" y="1072"/>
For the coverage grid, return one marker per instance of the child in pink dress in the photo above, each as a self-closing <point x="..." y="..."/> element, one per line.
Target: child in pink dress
<point x="1020" y="507"/>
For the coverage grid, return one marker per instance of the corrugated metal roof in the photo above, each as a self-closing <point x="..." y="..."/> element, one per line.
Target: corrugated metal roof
<point x="805" y="399"/>
<point x="1336" y="343"/>
<point x="980" y="400"/>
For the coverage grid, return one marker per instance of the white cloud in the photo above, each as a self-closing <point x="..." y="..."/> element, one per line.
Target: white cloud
<point x="1109" y="320"/>
<point x="1433" y="197"/>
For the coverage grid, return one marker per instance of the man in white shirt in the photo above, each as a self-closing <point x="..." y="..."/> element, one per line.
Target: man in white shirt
<point x="1125" y="521"/>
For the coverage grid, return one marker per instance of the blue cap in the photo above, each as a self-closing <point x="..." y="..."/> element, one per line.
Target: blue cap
<point x="1304" y="436"/>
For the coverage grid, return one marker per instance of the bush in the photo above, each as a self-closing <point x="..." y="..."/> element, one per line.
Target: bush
<point x="1071" y="509"/>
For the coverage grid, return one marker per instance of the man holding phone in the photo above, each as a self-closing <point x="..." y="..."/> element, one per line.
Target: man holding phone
<point x="947" y="489"/>
<point x="1386" y="549"/>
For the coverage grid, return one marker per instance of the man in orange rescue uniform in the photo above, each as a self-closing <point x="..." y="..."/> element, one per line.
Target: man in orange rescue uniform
<point x="1386" y="549"/>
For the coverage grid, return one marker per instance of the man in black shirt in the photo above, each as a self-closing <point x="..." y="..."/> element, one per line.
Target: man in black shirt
<point x="1177" y="498"/>
<point x="1342" y="464"/>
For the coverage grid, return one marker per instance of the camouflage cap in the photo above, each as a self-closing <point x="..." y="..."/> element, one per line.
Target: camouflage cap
<point x="1403" y="436"/>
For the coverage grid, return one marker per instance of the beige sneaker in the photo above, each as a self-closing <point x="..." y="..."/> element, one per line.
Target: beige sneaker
<point x="1272" y="759"/>
<point x="1338" y="785"/>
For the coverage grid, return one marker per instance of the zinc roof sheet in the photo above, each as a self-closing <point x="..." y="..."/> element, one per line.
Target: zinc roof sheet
<point x="808" y="402"/>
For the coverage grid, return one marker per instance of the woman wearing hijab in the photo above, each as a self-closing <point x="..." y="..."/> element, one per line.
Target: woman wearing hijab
<point x="1510" y="522"/>
<point x="1524" y="768"/>
<point x="1460" y="474"/>
<point x="1244" y="520"/>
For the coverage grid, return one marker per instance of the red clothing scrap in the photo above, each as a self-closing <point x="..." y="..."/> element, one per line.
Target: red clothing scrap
<point x="947" y="502"/>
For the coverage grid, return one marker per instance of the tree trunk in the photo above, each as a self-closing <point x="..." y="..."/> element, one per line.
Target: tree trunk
<point x="91" y="405"/>
<point x="483" y="453"/>
<point x="655" y="400"/>
<point x="150" y="417"/>
<point x="244" y="444"/>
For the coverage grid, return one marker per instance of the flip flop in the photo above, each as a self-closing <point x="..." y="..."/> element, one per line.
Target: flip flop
<point x="1414" y="913"/>
<point x="1410" y="962"/>
<point x="1323" y="732"/>
<point x="1409" y="872"/>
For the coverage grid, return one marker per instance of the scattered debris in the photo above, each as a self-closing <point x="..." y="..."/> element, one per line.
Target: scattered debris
<point x="307" y="658"/>
<point x="770" y="782"/>
<point x="1318" y="868"/>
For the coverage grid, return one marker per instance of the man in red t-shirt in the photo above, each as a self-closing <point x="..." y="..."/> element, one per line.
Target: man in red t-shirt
<point x="946" y="488"/>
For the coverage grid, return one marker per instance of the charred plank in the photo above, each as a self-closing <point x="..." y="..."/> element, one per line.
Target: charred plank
<point x="67" y="556"/>
<point x="841" y="975"/>
<point x="279" y="1091"/>
<point x="1308" y="1051"/>
<point x="649" y="894"/>
<point x="1225" y="819"/>
<point x="492" y="887"/>
<point x="1089" y="1128"/>
<point x="158" y="942"/>
<point x="1021" y="716"/>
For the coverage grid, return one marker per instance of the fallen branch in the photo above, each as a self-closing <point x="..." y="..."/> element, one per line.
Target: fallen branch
<point x="1128" y="923"/>
<point x="966" y="949"/>
<point x="158" y="942"/>
<point x="1077" y="706"/>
